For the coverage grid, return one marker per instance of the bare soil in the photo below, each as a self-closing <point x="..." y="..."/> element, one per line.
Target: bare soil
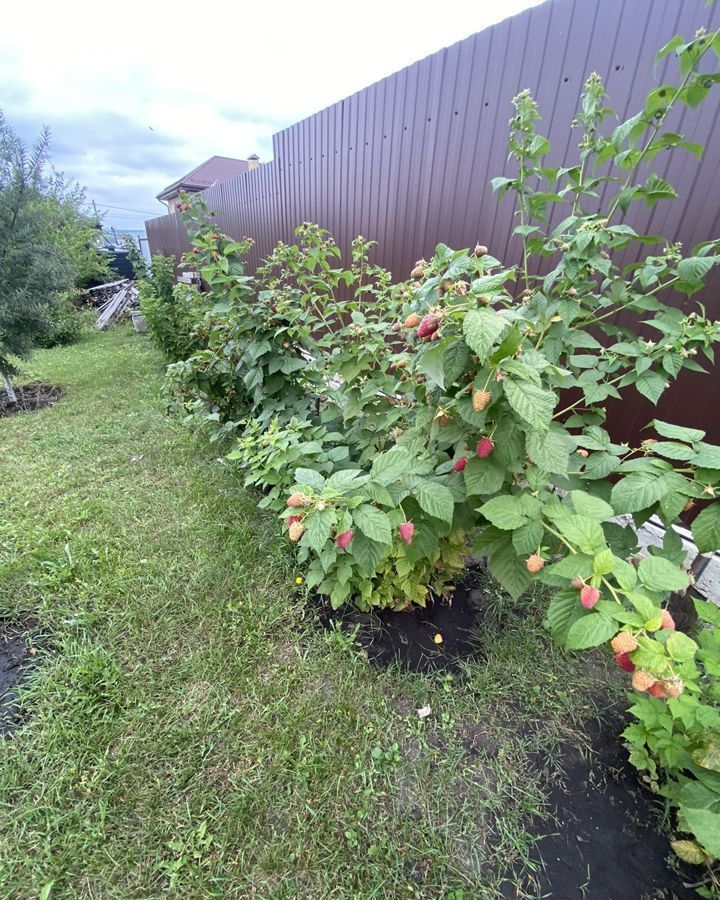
<point x="16" y="659"/>
<point x="30" y="397"/>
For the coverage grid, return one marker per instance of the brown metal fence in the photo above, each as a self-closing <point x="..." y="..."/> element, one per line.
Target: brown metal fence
<point x="407" y="162"/>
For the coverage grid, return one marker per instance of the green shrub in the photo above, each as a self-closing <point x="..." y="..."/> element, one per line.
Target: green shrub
<point x="172" y="312"/>
<point x="65" y="324"/>
<point x="421" y="419"/>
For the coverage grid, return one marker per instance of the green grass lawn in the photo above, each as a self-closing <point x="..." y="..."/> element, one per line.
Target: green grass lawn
<point x="189" y="730"/>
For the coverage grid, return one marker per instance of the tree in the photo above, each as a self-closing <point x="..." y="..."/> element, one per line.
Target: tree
<point x="46" y="244"/>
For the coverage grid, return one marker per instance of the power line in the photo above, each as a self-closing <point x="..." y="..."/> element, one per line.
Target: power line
<point x="145" y="212"/>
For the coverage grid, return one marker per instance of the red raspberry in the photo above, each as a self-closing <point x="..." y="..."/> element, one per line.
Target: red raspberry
<point x="589" y="596"/>
<point x="667" y="620"/>
<point x="406" y="531"/>
<point x="342" y="540"/>
<point x="460" y="464"/>
<point x="484" y="447"/>
<point x="624" y="661"/>
<point x="429" y="325"/>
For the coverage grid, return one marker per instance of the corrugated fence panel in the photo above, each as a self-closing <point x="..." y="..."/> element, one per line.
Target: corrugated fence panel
<point x="407" y="162"/>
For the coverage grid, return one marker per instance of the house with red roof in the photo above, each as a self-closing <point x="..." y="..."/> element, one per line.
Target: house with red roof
<point x="207" y="174"/>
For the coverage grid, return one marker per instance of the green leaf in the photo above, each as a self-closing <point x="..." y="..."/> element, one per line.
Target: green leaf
<point x="390" y="466"/>
<point x="508" y="568"/>
<point x="591" y="507"/>
<point x="637" y="492"/>
<point x="705" y="825"/>
<point x="564" y="607"/>
<point x="658" y="574"/>
<point x="373" y="523"/>
<point x="482" y="328"/>
<point x="590" y="631"/>
<point x="436" y="500"/>
<point x="551" y="450"/>
<point x="680" y="647"/>
<point x="673" y="450"/>
<point x="455" y="361"/>
<point x="603" y="562"/>
<point x="584" y="534"/>
<point x="694" y="269"/>
<point x="707" y="456"/>
<point x="677" y="432"/>
<point x="431" y="364"/>
<point x="600" y="465"/>
<point x="706" y="529"/>
<point x="366" y="553"/>
<point x="651" y="385"/>
<point x="574" y="564"/>
<point x="504" y="512"/>
<point x="483" y="476"/>
<point x="625" y="573"/>
<point x="533" y="404"/>
<point x="656" y="188"/>
<point x="309" y="478"/>
<point x="318" y="526"/>
<point x="527" y="538"/>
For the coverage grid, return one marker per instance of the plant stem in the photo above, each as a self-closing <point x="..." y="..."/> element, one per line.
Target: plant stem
<point x="658" y="125"/>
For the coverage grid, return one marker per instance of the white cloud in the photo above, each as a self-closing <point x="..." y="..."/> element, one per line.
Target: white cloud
<point x="140" y="92"/>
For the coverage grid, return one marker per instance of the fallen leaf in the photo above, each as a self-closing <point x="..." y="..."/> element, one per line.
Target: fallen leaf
<point x="424" y="712"/>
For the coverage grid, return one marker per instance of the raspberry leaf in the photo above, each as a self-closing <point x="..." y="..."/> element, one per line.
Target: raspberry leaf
<point x="590" y="631"/>
<point x="482" y="328"/>
<point x="373" y="523"/>
<point x="531" y="403"/>
<point x="706" y="529"/>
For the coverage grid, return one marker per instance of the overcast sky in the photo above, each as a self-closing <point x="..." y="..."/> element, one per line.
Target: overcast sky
<point x="138" y="93"/>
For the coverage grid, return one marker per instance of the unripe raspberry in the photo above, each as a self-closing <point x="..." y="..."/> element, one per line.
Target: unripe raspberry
<point x="460" y="287"/>
<point x="582" y="453"/>
<point x="320" y="505"/>
<point x="298" y="499"/>
<point x="571" y="292"/>
<point x="480" y="250"/>
<point x="417" y="272"/>
<point x="412" y="321"/>
<point x="589" y="596"/>
<point x="624" y="642"/>
<point x="534" y="563"/>
<point x="577" y="583"/>
<point x="624" y="661"/>
<point x="406" y="531"/>
<point x="673" y="687"/>
<point x="460" y="464"/>
<point x="342" y="540"/>
<point x="480" y="400"/>
<point x="296" y="531"/>
<point x="667" y="620"/>
<point x="484" y="447"/>
<point x="641" y="681"/>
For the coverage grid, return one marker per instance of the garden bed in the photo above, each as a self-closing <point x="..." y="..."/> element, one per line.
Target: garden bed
<point x="30" y="397"/>
<point x="16" y="660"/>
<point x="603" y="845"/>
<point x="437" y="637"/>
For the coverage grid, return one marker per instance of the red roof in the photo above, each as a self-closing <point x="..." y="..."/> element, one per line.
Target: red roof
<point x="213" y="170"/>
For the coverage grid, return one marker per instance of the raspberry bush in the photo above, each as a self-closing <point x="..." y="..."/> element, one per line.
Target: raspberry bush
<point x="397" y="427"/>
